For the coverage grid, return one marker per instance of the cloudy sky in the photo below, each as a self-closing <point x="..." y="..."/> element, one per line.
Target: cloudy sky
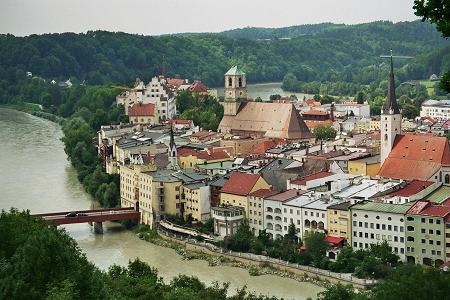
<point x="150" y="17"/>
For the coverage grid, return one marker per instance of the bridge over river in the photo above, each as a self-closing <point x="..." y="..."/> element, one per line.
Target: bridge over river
<point x="94" y="216"/>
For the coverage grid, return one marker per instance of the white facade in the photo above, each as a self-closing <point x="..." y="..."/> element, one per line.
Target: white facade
<point x="293" y="213"/>
<point x="375" y="226"/>
<point x="438" y="110"/>
<point x="273" y="218"/>
<point x="390" y="126"/>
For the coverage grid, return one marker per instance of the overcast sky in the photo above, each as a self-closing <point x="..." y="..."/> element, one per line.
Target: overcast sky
<point x="150" y="17"/>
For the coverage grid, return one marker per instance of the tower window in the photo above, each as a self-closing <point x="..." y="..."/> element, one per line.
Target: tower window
<point x="385" y="137"/>
<point x="240" y="81"/>
<point x="230" y="81"/>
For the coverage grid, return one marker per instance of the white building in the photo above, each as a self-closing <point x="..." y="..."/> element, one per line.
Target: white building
<point x="373" y="223"/>
<point x="438" y="110"/>
<point x="347" y="108"/>
<point x="293" y="213"/>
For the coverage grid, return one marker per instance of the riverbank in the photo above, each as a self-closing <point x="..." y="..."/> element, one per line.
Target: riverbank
<point x="33" y="109"/>
<point x="256" y="265"/>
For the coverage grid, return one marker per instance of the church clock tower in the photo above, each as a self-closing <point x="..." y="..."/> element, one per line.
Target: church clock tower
<point x="235" y="89"/>
<point x="391" y="119"/>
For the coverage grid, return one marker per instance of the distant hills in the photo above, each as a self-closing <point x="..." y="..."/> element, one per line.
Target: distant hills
<point x="319" y="52"/>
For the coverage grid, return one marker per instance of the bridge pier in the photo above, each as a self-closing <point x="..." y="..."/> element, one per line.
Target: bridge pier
<point x="98" y="227"/>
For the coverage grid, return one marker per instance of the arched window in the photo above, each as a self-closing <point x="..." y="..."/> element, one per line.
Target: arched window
<point x="278" y="218"/>
<point x="277" y="227"/>
<point x="385" y="137"/>
<point x="269" y="217"/>
<point x="240" y="81"/>
<point x="269" y="209"/>
<point x="277" y="211"/>
<point x="307" y="223"/>
<point x="320" y="225"/>
<point x="314" y="225"/>
<point x="269" y="226"/>
<point x="230" y="81"/>
<point x="447" y="178"/>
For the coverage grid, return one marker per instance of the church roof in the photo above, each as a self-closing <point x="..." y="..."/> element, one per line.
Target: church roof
<point x="416" y="157"/>
<point x="235" y="71"/>
<point x="276" y="120"/>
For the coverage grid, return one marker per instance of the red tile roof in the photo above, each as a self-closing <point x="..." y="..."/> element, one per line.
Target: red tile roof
<point x="416" y="156"/>
<point x="264" y="146"/>
<point x="262" y="193"/>
<point x="141" y="109"/>
<point x="311" y="124"/>
<point x="311" y="103"/>
<point x="315" y="112"/>
<point x="203" y="134"/>
<point x="412" y="188"/>
<point x="304" y="180"/>
<point x="181" y="122"/>
<point x="288" y="195"/>
<point x="334" y="240"/>
<point x="425" y="208"/>
<point x="176" y="82"/>
<point x="240" y="183"/>
<point x="207" y="155"/>
<point x="199" y="87"/>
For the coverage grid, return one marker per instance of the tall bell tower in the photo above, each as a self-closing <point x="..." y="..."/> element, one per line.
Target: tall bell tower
<point x="235" y="89"/>
<point x="391" y="118"/>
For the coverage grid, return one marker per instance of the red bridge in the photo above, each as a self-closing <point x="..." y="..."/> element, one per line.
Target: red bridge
<point x="90" y="216"/>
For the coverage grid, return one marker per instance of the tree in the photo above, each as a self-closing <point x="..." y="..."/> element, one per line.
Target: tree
<point x="337" y="292"/>
<point x="315" y="244"/>
<point x="437" y="12"/>
<point x="360" y="97"/>
<point x="292" y="234"/>
<point x="324" y="132"/>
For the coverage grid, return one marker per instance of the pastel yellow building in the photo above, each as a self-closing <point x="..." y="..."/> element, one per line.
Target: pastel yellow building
<point x="197" y="201"/>
<point x="239" y="186"/>
<point x="191" y="159"/>
<point x="368" y="166"/>
<point x="338" y="219"/>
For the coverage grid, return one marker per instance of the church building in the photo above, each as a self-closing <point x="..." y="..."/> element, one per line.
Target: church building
<point x="258" y="119"/>
<point x="410" y="156"/>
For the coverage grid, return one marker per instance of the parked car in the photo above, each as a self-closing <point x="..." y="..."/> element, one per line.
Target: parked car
<point x="71" y="215"/>
<point x="82" y="215"/>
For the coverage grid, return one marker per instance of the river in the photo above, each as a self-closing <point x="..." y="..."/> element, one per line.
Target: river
<point x="264" y="90"/>
<point x="36" y="175"/>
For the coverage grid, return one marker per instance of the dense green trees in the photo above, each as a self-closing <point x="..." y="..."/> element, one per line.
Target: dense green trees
<point x="205" y="111"/>
<point x="41" y="262"/>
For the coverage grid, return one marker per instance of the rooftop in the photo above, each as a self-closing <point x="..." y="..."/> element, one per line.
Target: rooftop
<point x="382" y="207"/>
<point x="340" y="206"/>
<point x="285" y="196"/>
<point x="263" y="193"/>
<point x="412" y="188"/>
<point x="234" y="71"/>
<point x="439" y="195"/>
<point x="425" y="208"/>
<point x="304" y="180"/>
<point x="240" y="183"/>
<point x="141" y="109"/>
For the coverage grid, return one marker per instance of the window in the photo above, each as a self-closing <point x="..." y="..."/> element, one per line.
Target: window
<point x="430" y="221"/>
<point x="438" y="232"/>
<point x="430" y="242"/>
<point x="430" y="231"/>
<point x="422" y="241"/>
<point x="354" y="223"/>
<point x="424" y="251"/>
<point x="421" y="230"/>
<point x="423" y="220"/>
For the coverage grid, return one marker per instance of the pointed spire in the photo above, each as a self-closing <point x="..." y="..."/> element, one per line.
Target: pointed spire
<point x="172" y="140"/>
<point x="391" y="106"/>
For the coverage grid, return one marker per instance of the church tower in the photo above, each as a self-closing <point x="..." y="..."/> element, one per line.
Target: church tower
<point x="173" y="164"/>
<point x="391" y="118"/>
<point x="235" y="89"/>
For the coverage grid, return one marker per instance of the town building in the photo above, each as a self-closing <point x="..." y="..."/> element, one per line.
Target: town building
<point x="254" y="119"/>
<point x="273" y="213"/>
<point x="373" y="223"/>
<point x="411" y="191"/>
<point x="314" y="118"/>
<point x="197" y="198"/>
<point x="390" y="120"/>
<point x="436" y="109"/>
<point x="339" y="220"/>
<point x="256" y="209"/>
<point x="143" y="114"/>
<point x="227" y="220"/>
<point x="367" y="166"/>
<point x="427" y="226"/>
<point x="235" y="191"/>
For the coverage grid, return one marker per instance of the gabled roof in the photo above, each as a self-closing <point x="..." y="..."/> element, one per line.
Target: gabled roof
<point x="234" y="71"/>
<point x="141" y="109"/>
<point x="199" y="87"/>
<point x="259" y="117"/>
<point x="412" y="188"/>
<point x="416" y="157"/>
<point x="425" y="208"/>
<point x="264" y="146"/>
<point x="240" y="183"/>
<point x="315" y="112"/>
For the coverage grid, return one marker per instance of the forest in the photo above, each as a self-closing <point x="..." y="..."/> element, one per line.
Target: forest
<point x="324" y="52"/>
